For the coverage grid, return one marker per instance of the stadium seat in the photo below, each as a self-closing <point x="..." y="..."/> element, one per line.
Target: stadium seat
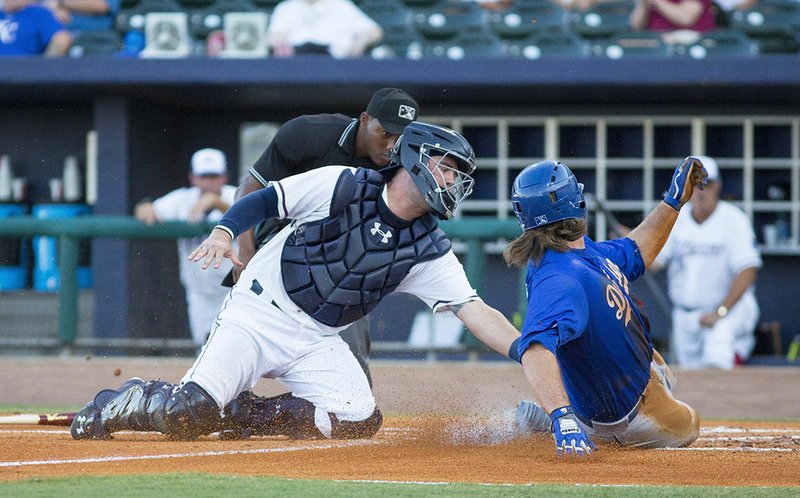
<point x="464" y="46"/>
<point x="166" y="35"/>
<point x="525" y="20"/>
<point x="449" y="19"/>
<point x="204" y="21"/>
<point x="398" y="44"/>
<point x="774" y="24"/>
<point x="133" y="19"/>
<point x="548" y="45"/>
<point x="89" y="43"/>
<point x="637" y="44"/>
<point x="390" y="14"/>
<point x="245" y="35"/>
<point x="604" y="19"/>
<point x="721" y="42"/>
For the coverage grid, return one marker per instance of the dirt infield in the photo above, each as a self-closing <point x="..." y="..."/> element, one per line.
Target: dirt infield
<point x="446" y="422"/>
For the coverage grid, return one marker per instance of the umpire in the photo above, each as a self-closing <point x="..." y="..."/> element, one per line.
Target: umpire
<point x="310" y="141"/>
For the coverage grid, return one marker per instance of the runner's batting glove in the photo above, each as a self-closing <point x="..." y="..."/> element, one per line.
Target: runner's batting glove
<point x="688" y="174"/>
<point x="569" y="436"/>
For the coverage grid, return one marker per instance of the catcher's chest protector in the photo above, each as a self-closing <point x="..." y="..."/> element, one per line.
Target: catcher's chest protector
<point x="337" y="269"/>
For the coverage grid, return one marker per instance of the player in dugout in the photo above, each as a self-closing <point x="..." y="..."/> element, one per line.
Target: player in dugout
<point x="585" y="343"/>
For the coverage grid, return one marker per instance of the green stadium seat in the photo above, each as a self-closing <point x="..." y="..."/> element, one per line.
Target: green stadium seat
<point x="91" y="43"/>
<point x="773" y="24"/>
<point x="465" y="46"/>
<point x="449" y="20"/>
<point x="404" y="44"/>
<point x="604" y="19"/>
<point x="546" y="45"/>
<point x="526" y="20"/>
<point x="390" y="14"/>
<point x="204" y="21"/>
<point x="636" y="44"/>
<point x="133" y="19"/>
<point x="722" y="42"/>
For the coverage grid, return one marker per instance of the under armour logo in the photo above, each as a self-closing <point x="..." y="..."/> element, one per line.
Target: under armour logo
<point x="540" y="220"/>
<point x="81" y="421"/>
<point x="386" y="235"/>
<point x="406" y="112"/>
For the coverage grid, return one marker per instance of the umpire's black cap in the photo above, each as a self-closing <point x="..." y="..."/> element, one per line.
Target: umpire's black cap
<point x="394" y="108"/>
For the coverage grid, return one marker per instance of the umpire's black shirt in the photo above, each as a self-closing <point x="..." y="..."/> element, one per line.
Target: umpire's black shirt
<point x="308" y="142"/>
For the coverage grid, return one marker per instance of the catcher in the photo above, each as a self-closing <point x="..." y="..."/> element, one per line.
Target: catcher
<point x="585" y="343"/>
<point x="357" y="235"/>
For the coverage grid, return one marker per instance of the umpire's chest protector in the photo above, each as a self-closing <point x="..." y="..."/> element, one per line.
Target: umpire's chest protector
<point x="337" y="269"/>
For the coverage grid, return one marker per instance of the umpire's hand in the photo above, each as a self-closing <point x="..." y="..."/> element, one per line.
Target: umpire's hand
<point x="215" y="248"/>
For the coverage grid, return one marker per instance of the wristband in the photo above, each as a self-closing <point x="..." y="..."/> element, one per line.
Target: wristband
<point x="513" y="351"/>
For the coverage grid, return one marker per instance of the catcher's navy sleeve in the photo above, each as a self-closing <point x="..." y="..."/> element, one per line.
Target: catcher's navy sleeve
<point x="250" y="210"/>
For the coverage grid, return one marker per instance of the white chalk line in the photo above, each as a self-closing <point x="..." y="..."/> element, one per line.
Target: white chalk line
<point x="343" y="444"/>
<point x="747" y="438"/>
<point x="723" y="430"/>
<point x="738" y="448"/>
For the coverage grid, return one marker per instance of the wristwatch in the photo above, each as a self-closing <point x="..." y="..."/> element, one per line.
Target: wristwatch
<point x="722" y="311"/>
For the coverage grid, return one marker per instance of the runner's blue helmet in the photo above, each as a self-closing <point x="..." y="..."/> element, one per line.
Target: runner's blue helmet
<point x="546" y="192"/>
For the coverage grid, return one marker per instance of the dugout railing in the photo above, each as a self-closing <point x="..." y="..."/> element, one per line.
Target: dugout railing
<point x="468" y="234"/>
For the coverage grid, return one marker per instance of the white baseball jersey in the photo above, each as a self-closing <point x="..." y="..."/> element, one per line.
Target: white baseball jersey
<point x="306" y="197"/>
<point x="260" y="332"/>
<point x="704" y="258"/>
<point x="204" y="294"/>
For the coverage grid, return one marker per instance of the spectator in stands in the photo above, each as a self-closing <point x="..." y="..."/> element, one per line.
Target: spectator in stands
<point x="680" y="21"/>
<point x="29" y="29"/>
<point x="333" y="27"/>
<point x="713" y="263"/>
<point x="206" y="199"/>
<point x="84" y="15"/>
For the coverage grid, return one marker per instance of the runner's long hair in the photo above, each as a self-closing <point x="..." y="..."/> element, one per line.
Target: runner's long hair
<point x="532" y="244"/>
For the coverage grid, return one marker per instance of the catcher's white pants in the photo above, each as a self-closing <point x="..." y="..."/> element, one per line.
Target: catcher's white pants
<point x="202" y="306"/>
<point x="252" y="339"/>
<point x="695" y="346"/>
<point x="661" y="421"/>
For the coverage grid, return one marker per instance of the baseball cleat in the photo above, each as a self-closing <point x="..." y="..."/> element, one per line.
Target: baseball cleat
<point x="88" y="421"/>
<point x="531" y="417"/>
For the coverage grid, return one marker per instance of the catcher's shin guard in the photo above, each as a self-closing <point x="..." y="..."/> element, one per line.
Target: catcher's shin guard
<point x="87" y="423"/>
<point x="287" y="415"/>
<point x="183" y="412"/>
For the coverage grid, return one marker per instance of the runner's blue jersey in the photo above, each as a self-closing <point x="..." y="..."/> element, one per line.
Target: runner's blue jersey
<point x="581" y="310"/>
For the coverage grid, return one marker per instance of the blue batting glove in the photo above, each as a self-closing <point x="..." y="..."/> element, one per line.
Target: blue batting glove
<point x="688" y="174"/>
<point x="569" y="436"/>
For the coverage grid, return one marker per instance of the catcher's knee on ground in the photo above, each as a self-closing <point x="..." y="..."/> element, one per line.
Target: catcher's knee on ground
<point x="184" y="412"/>
<point x="288" y="415"/>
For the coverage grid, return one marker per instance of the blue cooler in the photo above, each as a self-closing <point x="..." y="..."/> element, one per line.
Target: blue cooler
<point x="13" y="253"/>
<point x="45" y="269"/>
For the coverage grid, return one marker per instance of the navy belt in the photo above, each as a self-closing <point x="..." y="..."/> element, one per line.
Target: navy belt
<point x="627" y="419"/>
<point x="687" y="309"/>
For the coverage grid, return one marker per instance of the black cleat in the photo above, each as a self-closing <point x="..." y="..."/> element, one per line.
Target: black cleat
<point x="88" y="422"/>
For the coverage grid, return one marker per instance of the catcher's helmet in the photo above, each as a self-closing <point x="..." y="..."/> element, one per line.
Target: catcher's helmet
<point x="413" y="150"/>
<point x="546" y="192"/>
